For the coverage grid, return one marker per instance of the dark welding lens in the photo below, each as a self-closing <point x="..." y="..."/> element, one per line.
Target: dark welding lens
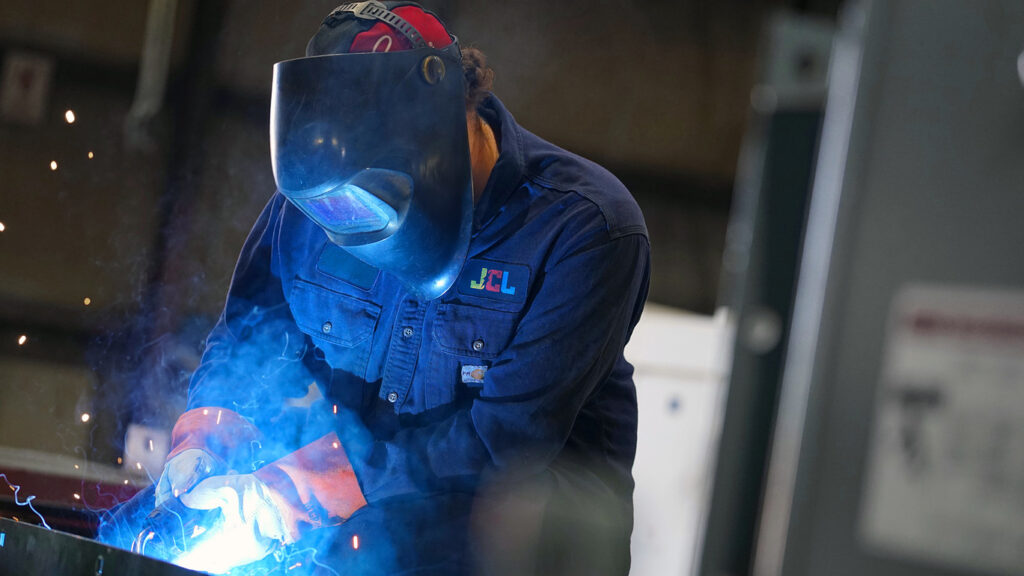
<point x="349" y="209"/>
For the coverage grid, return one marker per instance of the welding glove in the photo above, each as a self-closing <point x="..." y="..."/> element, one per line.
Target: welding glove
<point x="316" y="484"/>
<point x="184" y="471"/>
<point x="252" y="527"/>
<point x="203" y="441"/>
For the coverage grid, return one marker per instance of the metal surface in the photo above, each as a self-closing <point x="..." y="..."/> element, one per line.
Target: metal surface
<point x="760" y="266"/>
<point x="28" y="549"/>
<point x="918" y="181"/>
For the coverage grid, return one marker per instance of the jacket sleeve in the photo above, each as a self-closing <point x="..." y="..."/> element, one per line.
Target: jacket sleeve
<point x="566" y="345"/>
<point x="254" y="362"/>
<point x="254" y="358"/>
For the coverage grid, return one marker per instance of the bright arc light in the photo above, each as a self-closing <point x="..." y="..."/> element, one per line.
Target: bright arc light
<point x="53" y="165"/>
<point x="207" y="553"/>
<point x="70" y="116"/>
<point x="22" y="339"/>
<point x="355" y="542"/>
<point x="85" y="417"/>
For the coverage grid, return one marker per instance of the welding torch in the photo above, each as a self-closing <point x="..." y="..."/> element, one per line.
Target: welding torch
<point x="173" y="529"/>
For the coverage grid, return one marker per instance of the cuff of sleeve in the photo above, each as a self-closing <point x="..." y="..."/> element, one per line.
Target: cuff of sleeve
<point x="217" y="431"/>
<point x="314" y="486"/>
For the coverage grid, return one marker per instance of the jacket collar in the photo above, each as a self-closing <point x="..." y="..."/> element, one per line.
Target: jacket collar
<point x="507" y="174"/>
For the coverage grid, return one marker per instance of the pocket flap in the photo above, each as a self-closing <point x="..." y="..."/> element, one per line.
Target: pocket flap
<point x="332" y="316"/>
<point x="471" y="331"/>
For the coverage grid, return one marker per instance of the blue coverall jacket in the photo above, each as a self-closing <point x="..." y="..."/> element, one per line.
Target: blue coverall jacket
<point x="514" y="373"/>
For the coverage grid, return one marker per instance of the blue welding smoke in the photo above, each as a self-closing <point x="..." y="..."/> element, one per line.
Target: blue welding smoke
<point x="28" y="501"/>
<point x="259" y="365"/>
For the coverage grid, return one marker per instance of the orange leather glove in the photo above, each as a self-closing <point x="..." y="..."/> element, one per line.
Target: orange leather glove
<point x="202" y="442"/>
<point x="252" y="526"/>
<point x="314" y="486"/>
<point x="217" y="431"/>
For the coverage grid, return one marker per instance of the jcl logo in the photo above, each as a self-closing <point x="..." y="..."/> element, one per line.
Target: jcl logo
<point x="489" y="281"/>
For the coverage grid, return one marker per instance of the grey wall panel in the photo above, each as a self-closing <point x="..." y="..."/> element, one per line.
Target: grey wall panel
<point x="932" y="192"/>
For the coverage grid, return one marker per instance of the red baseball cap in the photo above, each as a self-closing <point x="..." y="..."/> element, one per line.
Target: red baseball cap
<point x="378" y="27"/>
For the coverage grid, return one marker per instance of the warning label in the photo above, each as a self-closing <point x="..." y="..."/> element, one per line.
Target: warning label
<point x="945" y="473"/>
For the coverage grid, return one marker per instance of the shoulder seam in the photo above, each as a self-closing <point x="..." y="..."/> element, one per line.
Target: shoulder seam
<point x="613" y="232"/>
<point x="628" y="231"/>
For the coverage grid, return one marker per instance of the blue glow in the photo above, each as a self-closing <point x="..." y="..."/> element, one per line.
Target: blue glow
<point x="348" y="209"/>
<point x="263" y="377"/>
<point x="208" y="554"/>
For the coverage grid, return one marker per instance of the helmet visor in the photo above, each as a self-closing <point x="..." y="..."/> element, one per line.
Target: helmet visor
<point x="373" y="148"/>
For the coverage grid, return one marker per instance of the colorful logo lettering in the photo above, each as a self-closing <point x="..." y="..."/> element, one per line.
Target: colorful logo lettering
<point x="493" y="280"/>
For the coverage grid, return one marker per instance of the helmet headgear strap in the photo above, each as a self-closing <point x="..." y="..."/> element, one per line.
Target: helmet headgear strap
<point x="374" y="10"/>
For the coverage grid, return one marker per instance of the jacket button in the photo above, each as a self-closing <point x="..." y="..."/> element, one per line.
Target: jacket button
<point x="478" y="344"/>
<point x="392" y="397"/>
<point x="407" y="332"/>
<point x="326" y="327"/>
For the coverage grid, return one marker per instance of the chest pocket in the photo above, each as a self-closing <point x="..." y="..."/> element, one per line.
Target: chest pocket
<point x="341" y="326"/>
<point x="465" y="337"/>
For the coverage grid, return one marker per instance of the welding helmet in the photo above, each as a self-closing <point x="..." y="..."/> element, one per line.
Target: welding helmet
<point x="372" y="146"/>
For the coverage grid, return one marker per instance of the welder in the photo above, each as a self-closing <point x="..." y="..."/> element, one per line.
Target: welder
<point x="423" y="336"/>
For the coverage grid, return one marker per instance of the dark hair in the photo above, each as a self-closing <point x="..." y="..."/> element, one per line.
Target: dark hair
<point x="479" y="78"/>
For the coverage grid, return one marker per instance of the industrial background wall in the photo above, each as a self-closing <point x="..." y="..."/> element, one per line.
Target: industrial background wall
<point x="134" y="157"/>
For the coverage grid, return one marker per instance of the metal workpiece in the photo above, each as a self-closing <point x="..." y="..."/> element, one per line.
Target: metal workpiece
<point x="30" y="549"/>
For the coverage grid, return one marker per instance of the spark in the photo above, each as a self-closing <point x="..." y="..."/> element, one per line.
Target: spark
<point x="206" y="412"/>
<point x="85" y="417"/>
<point x="138" y="465"/>
<point x="119" y="460"/>
<point x="125" y="482"/>
<point x="150" y="444"/>
<point x="219" y="412"/>
<point x="294" y="566"/>
<point x="27" y="502"/>
<point x="90" y="154"/>
<point x="355" y="542"/>
<point x="87" y="301"/>
<point x="53" y="165"/>
<point x="70" y="116"/>
<point x="76" y="466"/>
<point x="2" y="227"/>
<point x="335" y="408"/>
<point x="77" y="496"/>
<point x="335" y="445"/>
<point x="22" y="339"/>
